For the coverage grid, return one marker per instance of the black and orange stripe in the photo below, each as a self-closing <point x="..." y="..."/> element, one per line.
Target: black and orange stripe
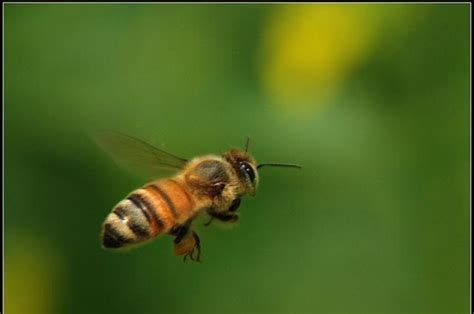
<point x="158" y="192"/>
<point x="112" y="238"/>
<point x="147" y="212"/>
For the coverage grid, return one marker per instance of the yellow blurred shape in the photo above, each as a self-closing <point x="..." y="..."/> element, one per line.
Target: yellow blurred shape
<point x="31" y="276"/>
<point x="309" y="50"/>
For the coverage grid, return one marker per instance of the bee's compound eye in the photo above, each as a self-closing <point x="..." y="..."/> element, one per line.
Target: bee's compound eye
<point x="248" y="170"/>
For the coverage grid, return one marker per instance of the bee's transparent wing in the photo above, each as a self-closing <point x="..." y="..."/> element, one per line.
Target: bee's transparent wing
<point x="136" y="153"/>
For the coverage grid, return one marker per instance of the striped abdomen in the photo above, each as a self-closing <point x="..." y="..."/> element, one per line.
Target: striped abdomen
<point x="147" y="212"/>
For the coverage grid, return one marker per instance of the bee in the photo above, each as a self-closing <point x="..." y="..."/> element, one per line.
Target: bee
<point x="212" y="184"/>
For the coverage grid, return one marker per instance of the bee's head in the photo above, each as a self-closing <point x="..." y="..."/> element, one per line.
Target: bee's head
<point x="245" y="167"/>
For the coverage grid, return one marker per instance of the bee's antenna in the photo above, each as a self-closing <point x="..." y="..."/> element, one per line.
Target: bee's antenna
<point x="247" y="143"/>
<point x="279" y="165"/>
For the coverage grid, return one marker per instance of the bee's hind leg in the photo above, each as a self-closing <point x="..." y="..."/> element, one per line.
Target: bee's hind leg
<point x="179" y="232"/>
<point x="192" y="246"/>
<point x="197" y="248"/>
<point x="187" y="243"/>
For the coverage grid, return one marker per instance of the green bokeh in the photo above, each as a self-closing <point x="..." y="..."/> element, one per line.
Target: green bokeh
<point x="376" y="222"/>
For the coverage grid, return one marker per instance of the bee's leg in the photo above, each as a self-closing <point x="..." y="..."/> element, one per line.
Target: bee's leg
<point x="224" y="217"/>
<point x="227" y="216"/>
<point x="187" y="243"/>
<point x="235" y="205"/>
<point x="180" y="231"/>
<point x="197" y="247"/>
<point x="209" y="222"/>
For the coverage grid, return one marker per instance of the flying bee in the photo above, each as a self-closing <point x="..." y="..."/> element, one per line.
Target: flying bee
<point x="212" y="184"/>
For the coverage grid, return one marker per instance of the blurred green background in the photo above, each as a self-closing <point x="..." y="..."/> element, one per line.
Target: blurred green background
<point x="372" y="100"/>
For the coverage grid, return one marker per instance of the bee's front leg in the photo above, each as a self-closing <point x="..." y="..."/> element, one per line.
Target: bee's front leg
<point x="227" y="216"/>
<point x="235" y="205"/>
<point x="224" y="217"/>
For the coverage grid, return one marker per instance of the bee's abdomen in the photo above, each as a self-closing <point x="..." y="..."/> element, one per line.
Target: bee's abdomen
<point x="131" y="221"/>
<point x="146" y="213"/>
<point x="174" y="202"/>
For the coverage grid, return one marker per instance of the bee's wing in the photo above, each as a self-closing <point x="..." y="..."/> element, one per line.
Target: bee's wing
<point x="133" y="152"/>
